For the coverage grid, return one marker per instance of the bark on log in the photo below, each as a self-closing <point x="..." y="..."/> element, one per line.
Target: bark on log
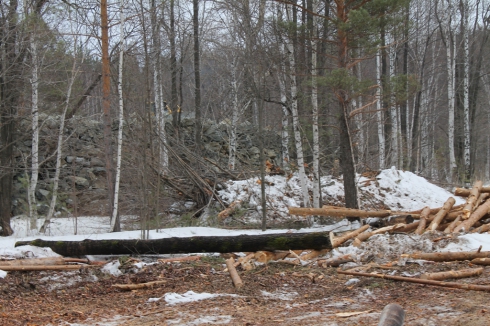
<point x="474" y="217"/>
<point x="434" y="211"/>
<point x="313" y="254"/>
<point x="441" y="214"/>
<point x="481" y="261"/>
<point x="481" y="229"/>
<point x="464" y="286"/>
<point x="392" y="315"/>
<point x="366" y="235"/>
<point x="179" y="259"/>
<point x="472" y="198"/>
<point x="463" y="192"/>
<point x="237" y="281"/>
<point x="131" y="287"/>
<point x="241" y="243"/>
<point x="40" y="268"/>
<point x="226" y="212"/>
<point x="449" y="256"/>
<point x="337" y="212"/>
<point x="454" y="224"/>
<point x="452" y="274"/>
<point x="424" y="215"/>
<point x="340" y="240"/>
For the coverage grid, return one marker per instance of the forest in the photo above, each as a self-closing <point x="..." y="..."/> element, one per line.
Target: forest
<point x="146" y="103"/>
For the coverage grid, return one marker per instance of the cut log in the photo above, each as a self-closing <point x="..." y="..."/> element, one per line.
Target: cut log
<point x="481" y="199"/>
<point x="366" y="235"/>
<point x="481" y="229"/>
<point x="463" y="286"/>
<point x="340" y="240"/>
<point x="237" y="281"/>
<point x="452" y="274"/>
<point x="463" y="192"/>
<point x="474" y="217"/>
<point x="335" y="261"/>
<point x="454" y="224"/>
<point x="179" y="259"/>
<point x="33" y="262"/>
<point x="472" y="198"/>
<point x="441" y="214"/>
<point x="434" y="211"/>
<point x="313" y="254"/>
<point x="392" y="315"/>
<point x="228" y="211"/>
<point x="449" y="256"/>
<point x="337" y="212"/>
<point x="40" y="268"/>
<point x="131" y="287"/>
<point x="481" y="261"/>
<point x="424" y="215"/>
<point x="241" y="243"/>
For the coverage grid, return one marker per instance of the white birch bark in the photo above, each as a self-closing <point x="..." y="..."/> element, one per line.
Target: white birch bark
<point x="114" y="217"/>
<point x="314" y="106"/>
<point x="393" y="108"/>
<point x="296" y="124"/>
<point x="234" y="116"/>
<point x="285" y="114"/>
<point x="379" y="114"/>
<point x="466" y="85"/>
<point x="35" y="130"/>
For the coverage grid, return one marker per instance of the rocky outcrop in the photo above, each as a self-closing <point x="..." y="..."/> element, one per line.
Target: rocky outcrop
<point x="82" y="179"/>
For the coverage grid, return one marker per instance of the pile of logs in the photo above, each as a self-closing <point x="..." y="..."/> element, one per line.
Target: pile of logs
<point x="473" y="216"/>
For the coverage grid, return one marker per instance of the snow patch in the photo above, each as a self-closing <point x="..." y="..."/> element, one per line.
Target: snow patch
<point x="112" y="268"/>
<point x="190" y="296"/>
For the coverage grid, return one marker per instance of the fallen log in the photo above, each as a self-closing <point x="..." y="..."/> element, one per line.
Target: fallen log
<point x="454" y="224"/>
<point x="237" y="281"/>
<point x="40" y="268"/>
<point x="481" y="229"/>
<point x="434" y="211"/>
<point x="366" y="235"/>
<point x="452" y="274"/>
<point x="131" y="287"/>
<point x="179" y="259"/>
<point x="392" y="315"/>
<point x="340" y="240"/>
<point x="241" y="243"/>
<point x="463" y="286"/>
<point x="449" y="256"/>
<point x="226" y="212"/>
<point x="33" y="262"/>
<point x="423" y="221"/>
<point x="337" y="212"/>
<point x="441" y="214"/>
<point x="336" y="261"/>
<point x="313" y="254"/>
<point x="474" y="217"/>
<point x="472" y="198"/>
<point x="463" y="192"/>
<point x="481" y="261"/>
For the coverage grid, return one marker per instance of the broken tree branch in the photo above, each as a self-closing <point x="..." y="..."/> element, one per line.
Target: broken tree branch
<point x="340" y="240"/>
<point x="449" y="256"/>
<point x="131" y="287"/>
<point x="441" y="214"/>
<point x="452" y="274"/>
<point x="237" y="281"/>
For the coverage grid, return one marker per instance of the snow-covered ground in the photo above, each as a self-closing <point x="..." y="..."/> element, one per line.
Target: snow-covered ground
<point x="393" y="189"/>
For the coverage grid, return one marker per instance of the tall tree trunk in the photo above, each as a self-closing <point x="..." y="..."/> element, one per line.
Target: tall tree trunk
<point x="197" y="76"/>
<point x="173" y="71"/>
<point x="466" y="85"/>
<point x="106" y="105"/>
<point x="314" y="106"/>
<point x="285" y="111"/>
<point x="35" y="126"/>
<point x="393" y="106"/>
<point x="234" y="115"/>
<point x="115" y="225"/>
<point x="379" y="113"/>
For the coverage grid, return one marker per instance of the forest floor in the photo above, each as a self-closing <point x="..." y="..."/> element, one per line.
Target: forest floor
<point x="272" y="294"/>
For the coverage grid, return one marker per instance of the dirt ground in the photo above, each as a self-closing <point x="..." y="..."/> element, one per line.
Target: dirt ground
<point x="272" y="294"/>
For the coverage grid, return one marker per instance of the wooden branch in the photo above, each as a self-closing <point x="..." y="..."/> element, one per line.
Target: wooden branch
<point x="472" y="198"/>
<point x="441" y="214"/>
<point x="131" y="287"/>
<point x="452" y="274"/>
<point x="241" y="243"/>
<point x="454" y="224"/>
<point x="463" y="192"/>
<point x="179" y="259"/>
<point x="340" y="240"/>
<point x="40" y="268"/>
<point x="237" y="281"/>
<point x="449" y="256"/>
<point x="434" y="211"/>
<point x="366" y="235"/>
<point x="245" y="262"/>
<point x="421" y="281"/>
<point x="313" y="254"/>
<point x="474" y="217"/>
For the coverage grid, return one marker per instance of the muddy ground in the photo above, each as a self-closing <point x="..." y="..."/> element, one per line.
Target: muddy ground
<point x="272" y="294"/>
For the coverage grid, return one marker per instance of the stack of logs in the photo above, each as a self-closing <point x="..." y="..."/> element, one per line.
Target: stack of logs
<point x="469" y="217"/>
